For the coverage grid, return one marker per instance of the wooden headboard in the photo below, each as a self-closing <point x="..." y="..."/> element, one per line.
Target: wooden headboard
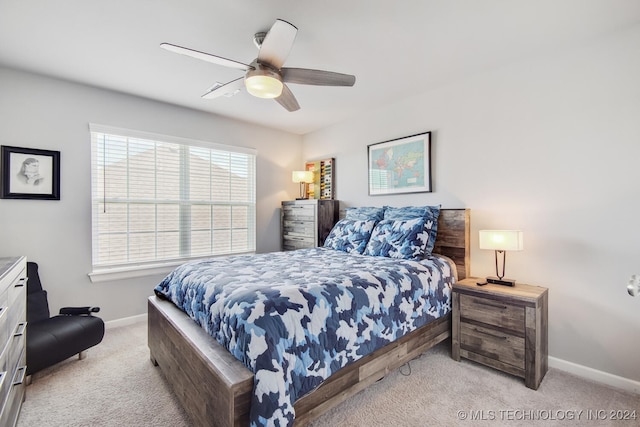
<point x="453" y="239"/>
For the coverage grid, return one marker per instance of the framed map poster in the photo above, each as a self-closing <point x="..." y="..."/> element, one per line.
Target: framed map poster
<point x="400" y="165"/>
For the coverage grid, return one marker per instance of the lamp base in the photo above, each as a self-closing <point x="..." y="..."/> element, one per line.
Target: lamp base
<point x="503" y="282"/>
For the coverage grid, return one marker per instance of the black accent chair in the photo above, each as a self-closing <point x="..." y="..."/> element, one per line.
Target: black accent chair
<point x="53" y="339"/>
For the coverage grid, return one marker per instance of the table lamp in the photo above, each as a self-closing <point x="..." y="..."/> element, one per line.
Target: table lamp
<point x="501" y="241"/>
<point x="304" y="178"/>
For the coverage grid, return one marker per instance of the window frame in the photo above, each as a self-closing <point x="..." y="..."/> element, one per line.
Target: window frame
<point x="131" y="269"/>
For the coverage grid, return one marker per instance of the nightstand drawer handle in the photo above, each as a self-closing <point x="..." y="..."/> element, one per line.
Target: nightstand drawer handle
<point x="500" y="306"/>
<point x="501" y="337"/>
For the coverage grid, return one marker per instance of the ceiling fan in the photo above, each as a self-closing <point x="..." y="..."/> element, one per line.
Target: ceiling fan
<point x="265" y="77"/>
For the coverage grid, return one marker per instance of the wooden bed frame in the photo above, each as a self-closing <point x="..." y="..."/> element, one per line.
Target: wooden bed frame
<point x="215" y="388"/>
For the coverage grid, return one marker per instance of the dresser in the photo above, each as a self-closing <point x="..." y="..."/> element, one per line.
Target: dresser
<point x="13" y="324"/>
<point x="307" y="223"/>
<point x="503" y="327"/>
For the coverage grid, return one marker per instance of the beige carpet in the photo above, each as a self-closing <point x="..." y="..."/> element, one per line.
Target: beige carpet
<point x="116" y="385"/>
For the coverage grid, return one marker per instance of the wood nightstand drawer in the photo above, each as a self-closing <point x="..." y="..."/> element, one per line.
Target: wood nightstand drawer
<point x="502" y="327"/>
<point x="491" y="312"/>
<point x="493" y="344"/>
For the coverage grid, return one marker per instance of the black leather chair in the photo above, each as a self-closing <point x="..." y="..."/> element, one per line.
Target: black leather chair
<point x="53" y="339"/>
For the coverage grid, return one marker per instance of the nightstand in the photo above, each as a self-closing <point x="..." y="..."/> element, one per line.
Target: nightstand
<point x="503" y="327"/>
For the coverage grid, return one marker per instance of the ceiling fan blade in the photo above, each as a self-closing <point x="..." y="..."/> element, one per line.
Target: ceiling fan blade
<point x="306" y="76"/>
<point x="287" y="100"/>
<point x="227" y="89"/>
<point x="206" y="57"/>
<point x="277" y="44"/>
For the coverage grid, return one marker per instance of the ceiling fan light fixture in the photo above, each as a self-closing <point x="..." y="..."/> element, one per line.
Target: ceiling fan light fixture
<point x="263" y="83"/>
<point x="266" y="77"/>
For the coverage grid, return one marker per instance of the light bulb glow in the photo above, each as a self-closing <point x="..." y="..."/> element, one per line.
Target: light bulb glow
<point x="263" y="82"/>
<point x="501" y="240"/>
<point x="302" y="176"/>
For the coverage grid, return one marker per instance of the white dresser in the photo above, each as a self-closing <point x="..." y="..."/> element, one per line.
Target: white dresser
<point x="13" y="326"/>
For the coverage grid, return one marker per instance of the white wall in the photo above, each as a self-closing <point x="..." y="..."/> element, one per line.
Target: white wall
<point x="550" y="146"/>
<point x="44" y="113"/>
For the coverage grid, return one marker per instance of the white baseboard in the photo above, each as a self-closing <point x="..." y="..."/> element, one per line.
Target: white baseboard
<point x="126" y="321"/>
<point x="595" y="375"/>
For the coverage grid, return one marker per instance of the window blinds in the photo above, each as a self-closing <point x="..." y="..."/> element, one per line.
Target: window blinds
<point x="157" y="198"/>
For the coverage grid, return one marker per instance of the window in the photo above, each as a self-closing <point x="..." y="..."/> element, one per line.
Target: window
<point x="160" y="200"/>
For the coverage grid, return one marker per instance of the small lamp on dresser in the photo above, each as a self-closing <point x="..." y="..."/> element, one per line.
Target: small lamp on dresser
<point x="304" y="178"/>
<point x="501" y="241"/>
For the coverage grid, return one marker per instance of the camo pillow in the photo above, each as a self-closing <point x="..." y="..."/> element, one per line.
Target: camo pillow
<point x="405" y="239"/>
<point x="350" y="235"/>
<point x="365" y="213"/>
<point x="429" y="213"/>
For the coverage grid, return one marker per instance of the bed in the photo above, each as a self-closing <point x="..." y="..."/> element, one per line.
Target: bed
<point x="216" y="388"/>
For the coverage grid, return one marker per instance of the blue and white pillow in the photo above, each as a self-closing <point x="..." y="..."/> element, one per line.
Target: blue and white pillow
<point x="429" y="213"/>
<point x="365" y="213"/>
<point x="404" y="239"/>
<point x="350" y="235"/>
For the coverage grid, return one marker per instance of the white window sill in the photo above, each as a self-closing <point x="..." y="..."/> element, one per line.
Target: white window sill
<point x="107" y="275"/>
<point x="130" y="272"/>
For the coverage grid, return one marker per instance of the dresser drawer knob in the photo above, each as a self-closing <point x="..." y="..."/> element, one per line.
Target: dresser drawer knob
<point x="20" y="372"/>
<point x="20" y="329"/>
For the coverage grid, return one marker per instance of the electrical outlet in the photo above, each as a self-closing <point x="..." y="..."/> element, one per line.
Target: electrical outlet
<point x="634" y="285"/>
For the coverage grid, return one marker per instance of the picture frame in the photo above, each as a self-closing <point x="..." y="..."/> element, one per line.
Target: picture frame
<point x="29" y="173"/>
<point x="400" y="166"/>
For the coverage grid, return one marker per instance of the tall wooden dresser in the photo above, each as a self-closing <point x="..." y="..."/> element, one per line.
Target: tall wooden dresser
<point x="307" y="223"/>
<point x="13" y="324"/>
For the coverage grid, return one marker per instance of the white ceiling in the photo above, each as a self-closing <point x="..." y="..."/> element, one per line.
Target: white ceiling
<point x="394" y="48"/>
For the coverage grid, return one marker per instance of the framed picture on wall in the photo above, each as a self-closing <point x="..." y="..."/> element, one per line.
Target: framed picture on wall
<point x="28" y="173"/>
<point x="400" y="165"/>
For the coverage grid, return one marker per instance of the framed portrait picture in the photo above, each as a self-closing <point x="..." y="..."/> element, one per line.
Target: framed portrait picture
<point x="29" y="173"/>
<point x="400" y="165"/>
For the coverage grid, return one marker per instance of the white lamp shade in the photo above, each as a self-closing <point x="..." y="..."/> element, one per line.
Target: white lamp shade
<point x="501" y="240"/>
<point x="302" y="176"/>
<point x="263" y="86"/>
